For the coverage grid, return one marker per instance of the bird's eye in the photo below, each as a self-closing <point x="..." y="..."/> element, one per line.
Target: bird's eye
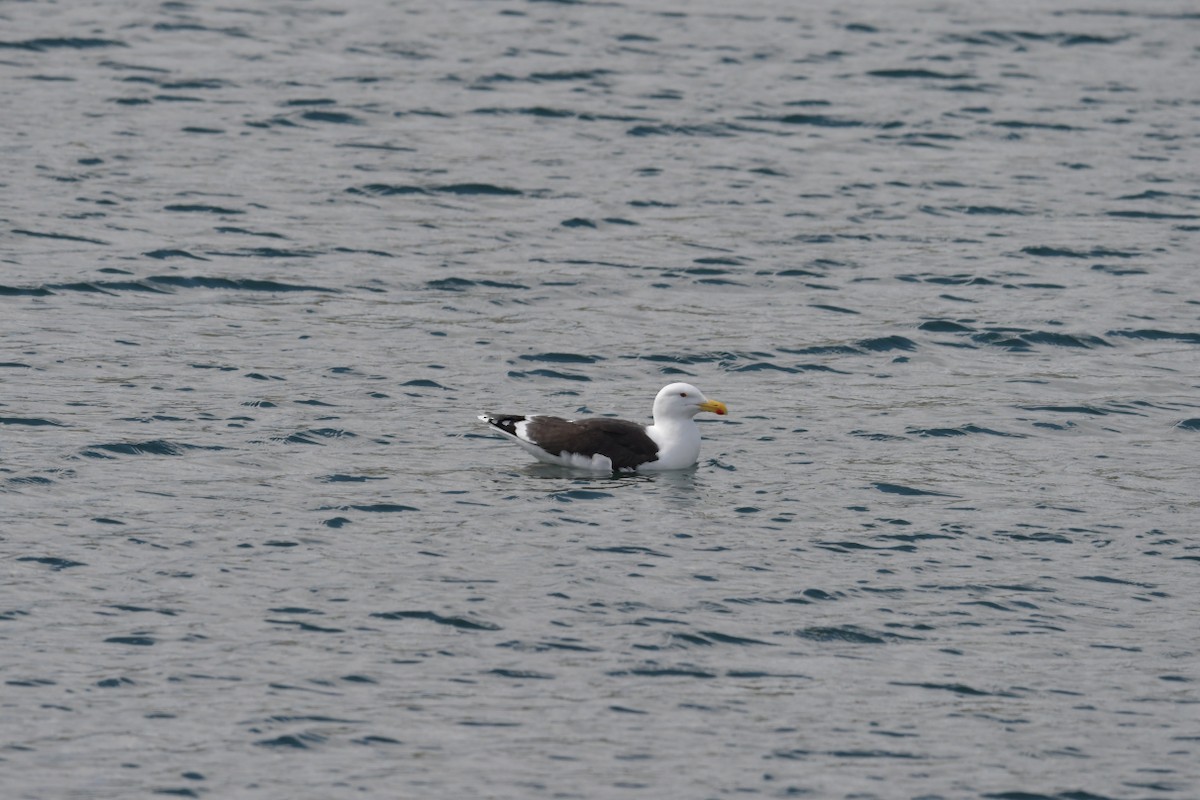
<point x="683" y="394"/>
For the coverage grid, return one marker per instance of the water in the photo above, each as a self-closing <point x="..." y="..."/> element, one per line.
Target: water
<point x="261" y="266"/>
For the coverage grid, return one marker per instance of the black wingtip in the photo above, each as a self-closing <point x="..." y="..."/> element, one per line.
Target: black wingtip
<point x="504" y="422"/>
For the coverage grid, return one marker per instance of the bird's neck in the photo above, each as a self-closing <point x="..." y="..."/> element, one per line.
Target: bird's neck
<point x="678" y="440"/>
<point x="675" y="423"/>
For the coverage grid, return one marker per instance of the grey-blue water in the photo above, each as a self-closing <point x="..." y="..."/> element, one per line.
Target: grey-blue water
<point x="261" y="264"/>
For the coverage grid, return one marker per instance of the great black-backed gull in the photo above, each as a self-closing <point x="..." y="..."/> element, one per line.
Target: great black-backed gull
<point x="614" y="445"/>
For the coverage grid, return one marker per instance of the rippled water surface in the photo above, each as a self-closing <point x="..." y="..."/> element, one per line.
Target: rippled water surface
<point x="261" y="265"/>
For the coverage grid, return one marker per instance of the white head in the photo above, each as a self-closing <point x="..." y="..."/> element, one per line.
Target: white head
<point x="682" y="401"/>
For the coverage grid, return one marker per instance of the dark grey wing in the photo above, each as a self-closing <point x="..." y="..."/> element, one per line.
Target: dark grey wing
<point x="625" y="443"/>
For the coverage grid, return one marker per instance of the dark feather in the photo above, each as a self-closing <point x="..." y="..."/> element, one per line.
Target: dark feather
<point x="625" y="443"/>
<point x="505" y="422"/>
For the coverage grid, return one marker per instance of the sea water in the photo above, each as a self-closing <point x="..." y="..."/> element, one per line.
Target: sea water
<point x="261" y="265"/>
